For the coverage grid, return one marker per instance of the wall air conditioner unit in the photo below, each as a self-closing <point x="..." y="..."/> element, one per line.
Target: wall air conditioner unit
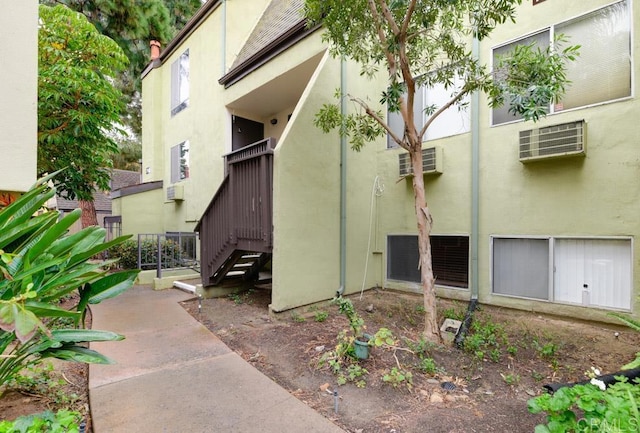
<point x="431" y="162"/>
<point x="175" y="192"/>
<point x="565" y="139"/>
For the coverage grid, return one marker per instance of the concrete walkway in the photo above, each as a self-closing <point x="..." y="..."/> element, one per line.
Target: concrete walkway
<point x="173" y="375"/>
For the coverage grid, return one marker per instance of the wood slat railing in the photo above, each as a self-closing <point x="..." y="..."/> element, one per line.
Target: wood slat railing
<point x="240" y="215"/>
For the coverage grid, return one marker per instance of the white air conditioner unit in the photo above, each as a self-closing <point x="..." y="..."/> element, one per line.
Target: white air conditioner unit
<point x="431" y="162"/>
<point x="566" y="139"/>
<point x="175" y="192"/>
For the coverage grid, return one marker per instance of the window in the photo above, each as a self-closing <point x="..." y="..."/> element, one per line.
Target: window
<point x="180" y="84"/>
<point x="453" y="121"/>
<point x="180" y="162"/>
<point x="450" y="259"/>
<point x="588" y="272"/>
<point x="602" y="72"/>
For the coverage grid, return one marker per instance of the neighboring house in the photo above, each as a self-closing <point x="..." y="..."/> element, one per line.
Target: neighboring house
<point x="101" y="201"/>
<point x="535" y="216"/>
<point x="19" y="100"/>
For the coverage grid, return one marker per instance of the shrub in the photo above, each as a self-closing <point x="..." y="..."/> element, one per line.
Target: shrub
<point x="40" y="264"/>
<point x="127" y="254"/>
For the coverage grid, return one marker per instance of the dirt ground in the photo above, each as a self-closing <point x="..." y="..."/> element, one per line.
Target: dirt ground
<point x="489" y="396"/>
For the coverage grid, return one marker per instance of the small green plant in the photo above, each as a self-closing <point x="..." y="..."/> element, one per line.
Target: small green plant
<point x="537" y="376"/>
<point x="297" y="317"/>
<point x="40" y="380"/>
<point x="486" y="338"/>
<point x="547" y="350"/>
<point x="511" y="379"/>
<point x="397" y="376"/>
<point x="63" y="421"/>
<point x="512" y="350"/>
<point x="428" y="366"/>
<point x="236" y="298"/>
<point x="590" y="408"/>
<point x="345" y="306"/>
<point x="453" y="313"/>
<point x="321" y="316"/>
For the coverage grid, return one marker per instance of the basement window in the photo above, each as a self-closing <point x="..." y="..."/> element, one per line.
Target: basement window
<point x="450" y="259"/>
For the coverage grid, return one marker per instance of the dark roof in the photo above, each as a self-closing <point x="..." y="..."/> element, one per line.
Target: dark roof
<point x="282" y="25"/>
<point x="101" y="199"/>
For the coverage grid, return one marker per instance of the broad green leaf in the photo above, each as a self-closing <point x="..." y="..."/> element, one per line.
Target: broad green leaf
<point x="8" y="316"/>
<point x="96" y="249"/>
<point x="9" y="235"/>
<point x="22" y="209"/>
<point x="43" y="309"/>
<point x="26" y="324"/>
<point x="78" y="354"/>
<point x="110" y="286"/>
<point x="54" y="233"/>
<point x="84" y="335"/>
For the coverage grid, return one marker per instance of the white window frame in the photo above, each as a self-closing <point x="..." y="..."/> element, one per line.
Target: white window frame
<point x="180" y="83"/>
<point x="552" y="264"/>
<point x="554" y="109"/>
<point x="395" y="121"/>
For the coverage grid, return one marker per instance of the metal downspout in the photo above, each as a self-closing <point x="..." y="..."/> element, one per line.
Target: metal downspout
<point x="475" y="180"/>
<point x="223" y="39"/>
<point x="343" y="181"/>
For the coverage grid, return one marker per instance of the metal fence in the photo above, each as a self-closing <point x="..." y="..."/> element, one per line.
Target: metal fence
<point x="172" y="250"/>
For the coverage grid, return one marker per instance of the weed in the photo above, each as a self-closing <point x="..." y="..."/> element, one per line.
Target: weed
<point x="236" y="298"/>
<point x="428" y="366"/>
<point x="40" y="380"/>
<point x="397" y="376"/>
<point x="453" y="313"/>
<point x="420" y="309"/>
<point x="511" y="379"/>
<point x="297" y="317"/>
<point x="537" y="376"/>
<point x="486" y="338"/>
<point x="321" y="316"/>
<point x="512" y="350"/>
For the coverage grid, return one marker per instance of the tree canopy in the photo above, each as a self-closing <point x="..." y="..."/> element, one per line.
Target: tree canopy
<point x="132" y="25"/>
<point x="78" y="104"/>
<point x="418" y="43"/>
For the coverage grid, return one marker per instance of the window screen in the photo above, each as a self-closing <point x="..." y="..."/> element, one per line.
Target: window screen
<point x="521" y="267"/>
<point x="602" y="72"/>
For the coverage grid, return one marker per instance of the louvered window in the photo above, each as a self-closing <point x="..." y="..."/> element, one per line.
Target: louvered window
<point x="450" y="259"/>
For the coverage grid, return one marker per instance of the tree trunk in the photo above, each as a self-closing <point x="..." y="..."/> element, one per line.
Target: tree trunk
<point x="89" y="217"/>
<point x="423" y="216"/>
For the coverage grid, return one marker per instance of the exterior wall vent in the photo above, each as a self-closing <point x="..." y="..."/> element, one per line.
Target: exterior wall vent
<point x="565" y="139"/>
<point x="175" y="192"/>
<point x="431" y="162"/>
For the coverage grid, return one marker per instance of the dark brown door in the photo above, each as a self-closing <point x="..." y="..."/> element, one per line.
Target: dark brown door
<point x="245" y="132"/>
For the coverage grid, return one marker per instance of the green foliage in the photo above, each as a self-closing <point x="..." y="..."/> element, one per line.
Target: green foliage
<point x="453" y="313"/>
<point x="587" y="408"/>
<point x="397" y="376"/>
<point x="321" y="316"/>
<point x="428" y="366"/>
<point x="485" y="340"/>
<point x="63" y="421"/>
<point x="635" y="325"/>
<point x="127" y="254"/>
<point x="510" y="379"/>
<point x="132" y="24"/>
<point x="78" y="104"/>
<point x="427" y="44"/>
<point x="297" y="317"/>
<point x="345" y="306"/>
<point x="39" y="265"/>
<point x="529" y="78"/>
<point x="41" y="381"/>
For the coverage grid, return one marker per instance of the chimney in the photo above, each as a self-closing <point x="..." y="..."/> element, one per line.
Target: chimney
<point x="155" y="50"/>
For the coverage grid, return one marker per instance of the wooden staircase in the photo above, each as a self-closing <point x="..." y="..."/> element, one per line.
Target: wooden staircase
<point x="236" y="229"/>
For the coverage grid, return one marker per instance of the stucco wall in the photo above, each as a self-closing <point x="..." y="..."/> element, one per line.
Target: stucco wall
<point x="141" y="213"/>
<point x="306" y="263"/>
<point x="19" y="88"/>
